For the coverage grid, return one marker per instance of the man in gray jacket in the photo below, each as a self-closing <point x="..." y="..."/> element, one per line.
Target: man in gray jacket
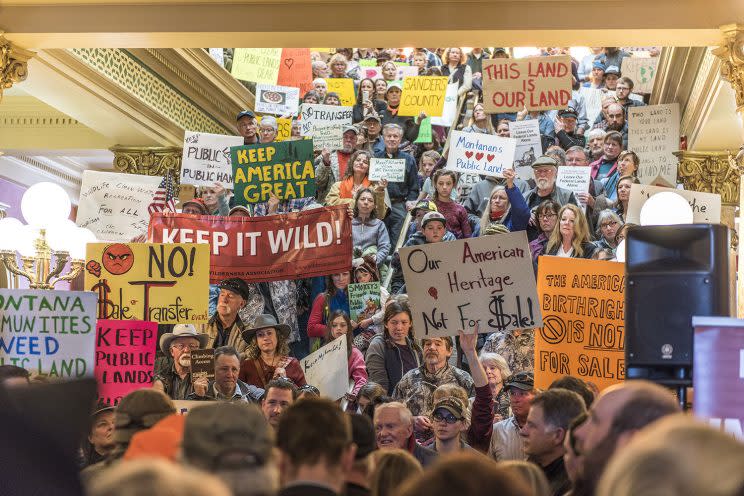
<point x="546" y="172"/>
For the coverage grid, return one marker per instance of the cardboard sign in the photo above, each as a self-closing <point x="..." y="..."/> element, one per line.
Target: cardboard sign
<point x="206" y="159"/>
<point x="392" y="169"/>
<point x="315" y="242"/>
<point x="327" y="369"/>
<point x="425" y="133"/>
<point x="330" y="137"/>
<point x="202" y="364"/>
<point x="364" y="300"/>
<point x="259" y="65"/>
<point x="449" y="113"/>
<point x="48" y="332"/>
<point x="653" y="133"/>
<point x="315" y="116"/>
<point x="344" y="87"/>
<point x="718" y="373"/>
<point x="574" y="178"/>
<point x="160" y="283"/>
<point x="528" y="146"/>
<point x="125" y="357"/>
<point x="538" y="83"/>
<point x="480" y="153"/>
<point x="284" y="130"/>
<point x="296" y="69"/>
<point x="592" y="102"/>
<point x="284" y="169"/>
<point x="642" y="71"/>
<point x="583" y="308"/>
<point x="706" y="207"/>
<point x="423" y="94"/>
<point x="456" y="284"/>
<point x="278" y="100"/>
<point x="114" y="206"/>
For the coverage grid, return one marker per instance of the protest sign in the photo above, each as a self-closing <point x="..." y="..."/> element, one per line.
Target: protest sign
<point x="327" y="369"/>
<point x="315" y="116"/>
<point x="480" y="153"/>
<point x="364" y="300"/>
<point x="592" y="103"/>
<point x="528" y="146"/>
<point x="114" y="206"/>
<point x="330" y="137"/>
<point x="206" y="159"/>
<point x="486" y="281"/>
<point x="450" y="108"/>
<point x="538" y="83"/>
<point x="706" y="207"/>
<point x="392" y="169"/>
<point x="125" y="357"/>
<point x="218" y="55"/>
<point x="424" y="134"/>
<point x="278" y="100"/>
<point x="259" y="65"/>
<point x="718" y="373"/>
<point x="423" y="94"/>
<point x="163" y="283"/>
<point x="344" y="87"/>
<point x="372" y="73"/>
<point x="284" y="169"/>
<point x="583" y="313"/>
<point x="315" y="242"/>
<point x="367" y="62"/>
<point x="284" y="131"/>
<point x="295" y="69"/>
<point x="48" y="332"/>
<point x="406" y="71"/>
<point x="653" y="133"/>
<point x="202" y="364"/>
<point x="574" y="178"/>
<point x="642" y="71"/>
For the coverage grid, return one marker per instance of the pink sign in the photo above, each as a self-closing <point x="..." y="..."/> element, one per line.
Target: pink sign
<point x="125" y="357"/>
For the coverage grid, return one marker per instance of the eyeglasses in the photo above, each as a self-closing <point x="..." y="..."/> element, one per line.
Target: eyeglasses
<point x="181" y="346"/>
<point x="450" y="419"/>
<point x="549" y="215"/>
<point x="610" y="223"/>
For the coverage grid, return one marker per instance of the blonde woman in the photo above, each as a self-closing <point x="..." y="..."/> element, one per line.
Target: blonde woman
<point x="480" y="122"/>
<point x="455" y="65"/>
<point x="570" y="238"/>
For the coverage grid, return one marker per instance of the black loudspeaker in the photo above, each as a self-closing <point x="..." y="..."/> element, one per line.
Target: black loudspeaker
<point x="673" y="273"/>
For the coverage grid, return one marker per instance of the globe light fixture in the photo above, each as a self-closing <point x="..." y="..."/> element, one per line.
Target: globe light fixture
<point x="666" y="209"/>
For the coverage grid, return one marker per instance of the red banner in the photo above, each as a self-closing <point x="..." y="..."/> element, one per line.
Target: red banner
<point x="287" y="246"/>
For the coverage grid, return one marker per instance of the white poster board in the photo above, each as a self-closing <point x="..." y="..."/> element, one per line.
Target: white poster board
<point x="392" y="169"/>
<point x="328" y="369"/>
<point x="653" y="133"/>
<point x="706" y="207"/>
<point x="49" y="332"/>
<point x="480" y="153"/>
<point x="488" y="280"/>
<point x="314" y="116"/>
<point x="206" y="159"/>
<point x="592" y="102"/>
<point x="114" y="205"/>
<point x="528" y="147"/>
<point x="576" y="178"/>
<point x="330" y="137"/>
<point x="450" y="108"/>
<point x="278" y="100"/>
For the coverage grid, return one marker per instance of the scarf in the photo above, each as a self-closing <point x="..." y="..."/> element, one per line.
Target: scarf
<point x="391" y="110"/>
<point x="346" y="188"/>
<point x="496" y="216"/>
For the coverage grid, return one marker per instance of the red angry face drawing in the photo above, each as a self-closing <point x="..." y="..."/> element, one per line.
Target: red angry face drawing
<point x="118" y="259"/>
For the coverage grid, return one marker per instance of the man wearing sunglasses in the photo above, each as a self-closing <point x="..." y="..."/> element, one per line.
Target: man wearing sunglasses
<point x="449" y="422"/>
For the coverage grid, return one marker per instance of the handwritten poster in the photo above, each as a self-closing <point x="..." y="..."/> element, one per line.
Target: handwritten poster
<point x="125" y="357"/>
<point x="449" y="112"/>
<point x="583" y="311"/>
<point x="480" y="153"/>
<point x="48" y="332"/>
<point x="706" y="207"/>
<point x="425" y="132"/>
<point x="344" y="87"/>
<point x="488" y="281"/>
<point x="364" y="300"/>
<point x="315" y="116"/>
<point x="330" y="137"/>
<point x="163" y="283"/>
<point x="278" y="100"/>
<point x="259" y="65"/>
<point x="114" y="205"/>
<point x="284" y="169"/>
<point x="574" y="178"/>
<point x="653" y="133"/>
<point x="528" y="146"/>
<point x="392" y="169"/>
<point x="295" y="69"/>
<point x="327" y="369"/>
<point x="538" y="83"/>
<point x="592" y="102"/>
<point x="642" y="71"/>
<point x="423" y="94"/>
<point x="206" y="159"/>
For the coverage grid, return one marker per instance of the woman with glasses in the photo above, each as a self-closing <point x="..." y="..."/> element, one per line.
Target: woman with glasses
<point x="609" y="222"/>
<point x="547" y="217"/>
<point x="268" y="128"/>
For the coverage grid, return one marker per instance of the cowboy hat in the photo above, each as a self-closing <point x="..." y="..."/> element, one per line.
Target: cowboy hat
<point x="264" y="321"/>
<point x="182" y="331"/>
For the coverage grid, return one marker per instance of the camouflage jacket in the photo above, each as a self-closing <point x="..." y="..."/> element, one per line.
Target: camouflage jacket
<point x="416" y="388"/>
<point x="518" y="351"/>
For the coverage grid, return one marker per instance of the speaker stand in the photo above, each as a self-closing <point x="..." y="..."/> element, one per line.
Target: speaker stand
<point x="677" y="379"/>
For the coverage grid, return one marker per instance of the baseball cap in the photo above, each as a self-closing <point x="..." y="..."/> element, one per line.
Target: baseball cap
<point x="237" y="286"/>
<point x="198" y="202"/>
<point x="350" y="128"/>
<point x="427" y="205"/>
<point x="543" y="161"/>
<point x="246" y="113"/>
<point x="521" y="380"/>
<point x="140" y="409"/>
<point x="568" y="112"/>
<point x="598" y="65"/>
<point x="363" y="434"/>
<point x="431" y="217"/>
<point x="373" y="117"/>
<point x="453" y="405"/>
<point x="394" y="84"/>
<point x="613" y="69"/>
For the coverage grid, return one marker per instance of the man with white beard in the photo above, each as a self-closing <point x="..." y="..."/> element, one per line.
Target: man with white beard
<point x="546" y="172"/>
<point x="176" y="381"/>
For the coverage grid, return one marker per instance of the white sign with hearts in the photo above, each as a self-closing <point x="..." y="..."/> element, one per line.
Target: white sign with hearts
<point x="480" y="153"/>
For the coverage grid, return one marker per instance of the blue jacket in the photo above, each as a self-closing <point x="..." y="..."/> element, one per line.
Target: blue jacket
<point x="409" y="188"/>
<point x="519" y="213"/>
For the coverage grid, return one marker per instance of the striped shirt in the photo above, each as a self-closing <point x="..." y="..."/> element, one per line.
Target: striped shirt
<point x="506" y="443"/>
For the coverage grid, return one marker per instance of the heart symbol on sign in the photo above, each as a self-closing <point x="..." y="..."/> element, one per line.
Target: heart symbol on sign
<point x="289" y="63"/>
<point x="490" y="157"/>
<point x="478" y="156"/>
<point x="433" y="292"/>
<point x="468" y="154"/>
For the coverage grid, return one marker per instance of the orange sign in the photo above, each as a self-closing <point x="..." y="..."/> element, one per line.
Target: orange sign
<point x="583" y="333"/>
<point x="295" y="69"/>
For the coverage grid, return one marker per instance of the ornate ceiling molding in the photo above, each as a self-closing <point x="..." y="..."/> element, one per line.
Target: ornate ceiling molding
<point x="731" y="54"/>
<point x="13" y="64"/>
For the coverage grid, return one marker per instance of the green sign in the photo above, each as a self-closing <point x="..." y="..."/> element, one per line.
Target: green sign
<point x="283" y="169"/>
<point x="424" y="135"/>
<point x="368" y="62"/>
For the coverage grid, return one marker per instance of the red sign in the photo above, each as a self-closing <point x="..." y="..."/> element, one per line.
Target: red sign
<point x="297" y="245"/>
<point x="295" y="69"/>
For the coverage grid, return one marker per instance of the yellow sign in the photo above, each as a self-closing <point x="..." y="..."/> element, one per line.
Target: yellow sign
<point x="423" y="93"/>
<point x="163" y="283"/>
<point x="260" y="65"/>
<point x="344" y="87"/>
<point x="284" y="131"/>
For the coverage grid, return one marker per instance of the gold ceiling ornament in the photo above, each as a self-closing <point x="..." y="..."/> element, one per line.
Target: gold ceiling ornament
<point x="712" y="172"/>
<point x="148" y="160"/>
<point x="13" y="64"/>
<point x="731" y="53"/>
